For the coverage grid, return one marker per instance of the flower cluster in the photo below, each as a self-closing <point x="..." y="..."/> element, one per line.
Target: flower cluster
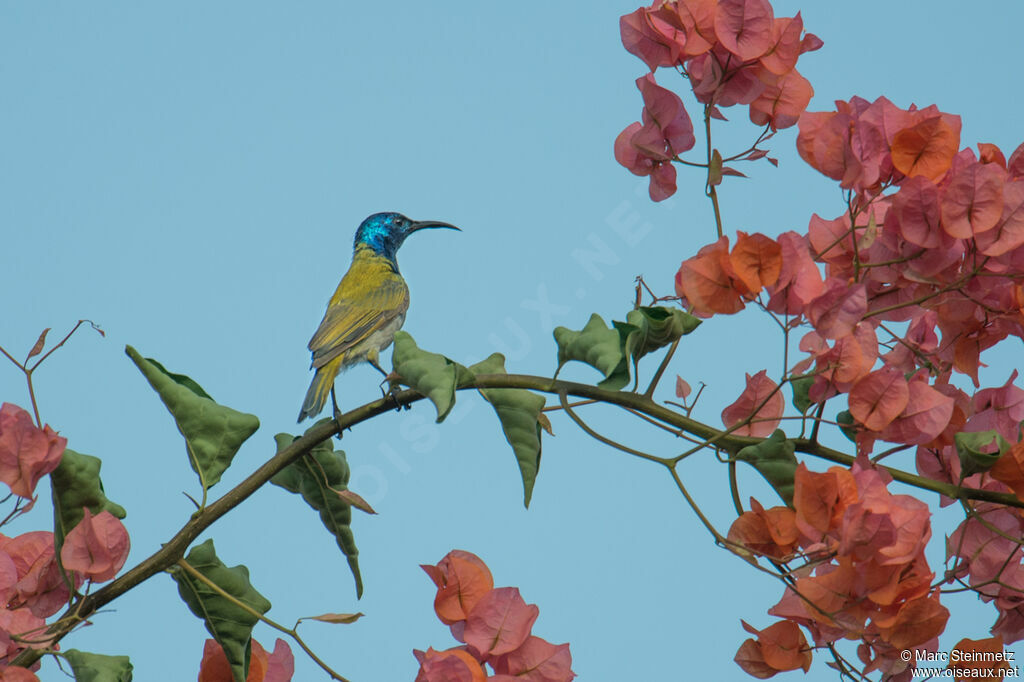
<point x="732" y="52"/>
<point x="26" y="452"/>
<point x="943" y="253"/>
<point x="864" y="577"/>
<point x="494" y="625"/>
<point x="32" y="582"/>
<point x="649" y="148"/>
<point x="869" y="145"/>
<point x="921" y="274"/>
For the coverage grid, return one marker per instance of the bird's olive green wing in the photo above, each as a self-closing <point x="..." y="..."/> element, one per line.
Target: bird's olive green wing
<point x="355" y="314"/>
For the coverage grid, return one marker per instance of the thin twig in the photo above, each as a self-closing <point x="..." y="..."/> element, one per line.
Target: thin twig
<point x="709" y="188"/>
<point x="661" y="368"/>
<point x="63" y="341"/>
<point x="578" y="403"/>
<point x="719" y="538"/>
<point x="734" y="488"/>
<point x="608" y="441"/>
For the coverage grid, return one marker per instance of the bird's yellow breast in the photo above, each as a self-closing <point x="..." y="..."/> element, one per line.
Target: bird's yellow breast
<point x="367" y="277"/>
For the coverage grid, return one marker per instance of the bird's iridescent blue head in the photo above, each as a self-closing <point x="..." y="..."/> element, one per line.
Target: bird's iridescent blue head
<point x="385" y="232"/>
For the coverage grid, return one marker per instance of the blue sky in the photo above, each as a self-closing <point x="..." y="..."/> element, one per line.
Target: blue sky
<point x="189" y="176"/>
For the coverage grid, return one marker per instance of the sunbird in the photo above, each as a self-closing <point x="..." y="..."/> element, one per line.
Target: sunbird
<point x="367" y="308"/>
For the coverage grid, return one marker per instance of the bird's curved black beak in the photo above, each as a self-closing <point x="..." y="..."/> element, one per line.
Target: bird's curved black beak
<point x="427" y="224"/>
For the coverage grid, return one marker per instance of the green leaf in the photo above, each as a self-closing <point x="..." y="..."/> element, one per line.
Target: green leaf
<point x="186" y="381"/>
<point x="979" y="451"/>
<point x="75" y="484"/>
<point x="774" y="459"/>
<point x="230" y="624"/>
<point x="492" y="364"/>
<point x="519" y="412"/>
<point x="319" y="477"/>
<point x="655" y="327"/>
<point x="801" y="386"/>
<point x="429" y="374"/>
<point x="97" y="667"/>
<point x="847" y="425"/>
<point x="599" y="346"/>
<point x="213" y="433"/>
<point x="610" y="349"/>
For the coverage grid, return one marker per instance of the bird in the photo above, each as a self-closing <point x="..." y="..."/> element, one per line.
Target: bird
<point x="367" y="308"/>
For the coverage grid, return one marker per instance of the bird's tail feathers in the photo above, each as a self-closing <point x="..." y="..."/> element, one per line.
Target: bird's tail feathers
<point x="319" y="390"/>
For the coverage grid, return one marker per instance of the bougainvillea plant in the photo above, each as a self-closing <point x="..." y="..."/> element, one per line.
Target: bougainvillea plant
<point x="495" y="626"/>
<point x="891" y="304"/>
<point x="885" y="315"/>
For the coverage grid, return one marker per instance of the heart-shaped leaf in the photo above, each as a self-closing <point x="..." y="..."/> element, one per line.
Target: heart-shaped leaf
<point x="519" y="412"/>
<point x="230" y="624"/>
<point x="319" y="477"/>
<point x="600" y="347"/>
<point x="213" y="433"/>
<point x="430" y="374"/>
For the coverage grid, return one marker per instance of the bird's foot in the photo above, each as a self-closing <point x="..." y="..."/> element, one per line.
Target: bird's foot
<point x="393" y="382"/>
<point x="337" y="418"/>
<point x="336" y="413"/>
